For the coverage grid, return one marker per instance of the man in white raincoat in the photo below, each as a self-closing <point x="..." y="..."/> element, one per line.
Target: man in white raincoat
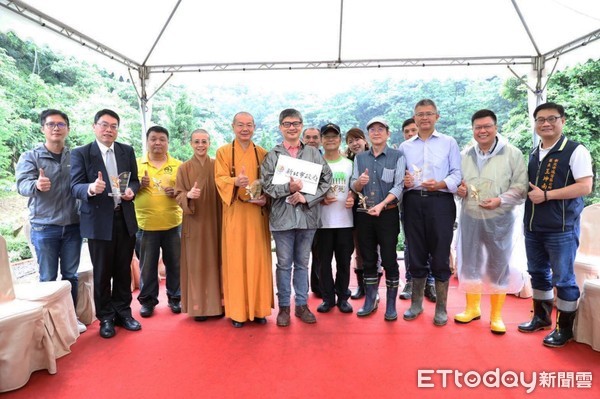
<point x="494" y="184"/>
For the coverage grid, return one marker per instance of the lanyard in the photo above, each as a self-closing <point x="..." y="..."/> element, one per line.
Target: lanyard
<point x="232" y="171"/>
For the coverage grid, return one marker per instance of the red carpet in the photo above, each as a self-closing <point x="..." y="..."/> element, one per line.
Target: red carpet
<point x="341" y="356"/>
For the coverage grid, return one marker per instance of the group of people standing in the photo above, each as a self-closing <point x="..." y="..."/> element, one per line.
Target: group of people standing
<point x="213" y="219"/>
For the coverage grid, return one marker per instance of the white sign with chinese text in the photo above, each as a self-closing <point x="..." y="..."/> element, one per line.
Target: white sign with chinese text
<point x="308" y="172"/>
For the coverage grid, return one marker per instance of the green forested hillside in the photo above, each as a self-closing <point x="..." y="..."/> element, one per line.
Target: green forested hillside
<point x="33" y="78"/>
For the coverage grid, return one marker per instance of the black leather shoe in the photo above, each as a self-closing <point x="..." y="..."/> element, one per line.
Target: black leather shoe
<point x="175" y="305"/>
<point x="324" y="307"/>
<point x="260" y="320"/>
<point x="344" y="306"/>
<point x="200" y="318"/>
<point x="146" y="310"/>
<point x="128" y="323"/>
<point x="237" y="324"/>
<point x="107" y="329"/>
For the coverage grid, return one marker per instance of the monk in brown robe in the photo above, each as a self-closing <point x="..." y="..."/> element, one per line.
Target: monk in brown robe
<point x="201" y="232"/>
<point x="246" y="251"/>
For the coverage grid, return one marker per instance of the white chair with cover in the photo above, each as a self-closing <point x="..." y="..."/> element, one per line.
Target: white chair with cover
<point x="59" y="312"/>
<point x="25" y="344"/>
<point x="86" y="310"/>
<point x="587" y="324"/>
<point x="587" y="261"/>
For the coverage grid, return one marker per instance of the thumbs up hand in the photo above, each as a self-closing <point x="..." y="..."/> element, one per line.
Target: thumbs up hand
<point x="98" y="186"/>
<point x="295" y="185"/>
<point x="43" y="183"/>
<point x="536" y="195"/>
<point x="194" y="193"/>
<point x="242" y="180"/>
<point x="350" y="200"/>
<point x="145" y="182"/>
<point x="462" y="190"/>
<point x="363" y="179"/>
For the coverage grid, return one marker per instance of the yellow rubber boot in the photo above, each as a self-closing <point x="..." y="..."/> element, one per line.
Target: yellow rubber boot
<point x="473" y="312"/>
<point x="496" y="324"/>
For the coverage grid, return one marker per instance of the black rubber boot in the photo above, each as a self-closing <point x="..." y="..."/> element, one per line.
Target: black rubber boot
<point x="371" y="300"/>
<point x="360" y="279"/>
<point x="416" y="300"/>
<point x="542" y="317"/>
<point x="441" y="316"/>
<point x="430" y="292"/>
<point x="390" y="305"/>
<point x="563" y="332"/>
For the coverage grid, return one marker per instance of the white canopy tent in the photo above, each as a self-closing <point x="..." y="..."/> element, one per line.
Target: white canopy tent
<point x="177" y="36"/>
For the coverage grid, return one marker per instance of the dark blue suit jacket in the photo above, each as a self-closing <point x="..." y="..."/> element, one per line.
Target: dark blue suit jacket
<point x="97" y="211"/>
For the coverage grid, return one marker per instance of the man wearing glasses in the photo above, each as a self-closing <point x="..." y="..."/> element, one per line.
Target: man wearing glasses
<point x="43" y="176"/>
<point x="560" y="174"/>
<point x="294" y="217"/>
<point x="99" y="179"/>
<point x="494" y="185"/>
<point x="432" y="176"/>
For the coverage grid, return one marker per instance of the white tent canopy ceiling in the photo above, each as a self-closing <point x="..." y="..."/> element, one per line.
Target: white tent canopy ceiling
<point x="176" y="36"/>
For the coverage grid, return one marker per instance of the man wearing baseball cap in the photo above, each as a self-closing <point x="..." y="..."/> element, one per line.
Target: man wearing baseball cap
<point x="378" y="179"/>
<point x="335" y="233"/>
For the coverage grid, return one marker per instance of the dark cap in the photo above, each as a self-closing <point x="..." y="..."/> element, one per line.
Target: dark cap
<point x="330" y="126"/>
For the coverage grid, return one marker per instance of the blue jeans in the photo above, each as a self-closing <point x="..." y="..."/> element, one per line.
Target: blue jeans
<point x="53" y="242"/>
<point x="150" y="244"/>
<point x="550" y="258"/>
<point x="292" y="247"/>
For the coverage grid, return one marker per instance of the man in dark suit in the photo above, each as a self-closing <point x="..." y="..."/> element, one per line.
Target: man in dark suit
<point x="108" y="221"/>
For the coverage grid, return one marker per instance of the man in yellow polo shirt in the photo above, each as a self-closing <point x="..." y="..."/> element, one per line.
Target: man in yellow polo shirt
<point x="159" y="219"/>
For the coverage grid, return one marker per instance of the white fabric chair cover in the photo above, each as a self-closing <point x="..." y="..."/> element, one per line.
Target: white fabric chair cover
<point x="587" y="261"/>
<point x="25" y="344"/>
<point x="85" y="310"/>
<point x="587" y="323"/>
<point x="7" y="292"/>
<point x="59" y="312"/>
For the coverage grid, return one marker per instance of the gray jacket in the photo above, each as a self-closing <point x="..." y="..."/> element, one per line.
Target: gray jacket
<point x="284" y="216"/>
<point x="55" y="206"/>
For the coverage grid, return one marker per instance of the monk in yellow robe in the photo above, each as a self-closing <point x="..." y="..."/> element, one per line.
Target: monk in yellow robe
<point x="201" y="232"/>
<point x="246" y="240"/>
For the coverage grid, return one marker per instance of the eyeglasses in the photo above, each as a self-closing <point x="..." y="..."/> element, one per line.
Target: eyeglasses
<point x="52" y="125"/>
<point x="377" y="129"/>
<point x="484" y="127"/>
<point x="331" y="137"/>
<point x="551" y="120"/>
<point x="105" y="126"/>
<point x="425" y="114"/>
<point x="287" y="125"/>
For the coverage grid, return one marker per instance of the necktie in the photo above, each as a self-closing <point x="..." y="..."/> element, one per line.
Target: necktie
<point x="113" y="173"/>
